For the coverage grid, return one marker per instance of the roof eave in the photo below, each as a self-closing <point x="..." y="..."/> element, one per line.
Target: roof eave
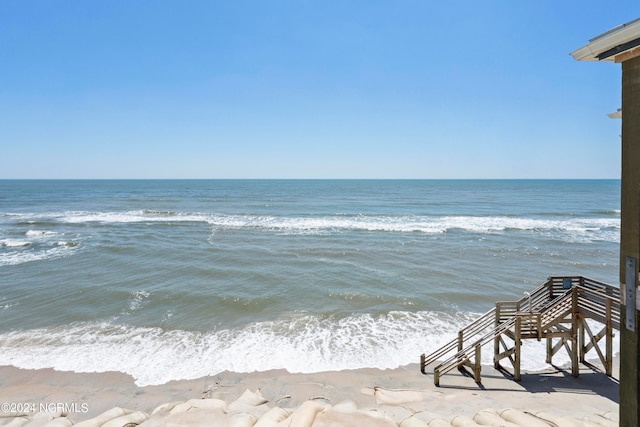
<point x="607" y="46"/>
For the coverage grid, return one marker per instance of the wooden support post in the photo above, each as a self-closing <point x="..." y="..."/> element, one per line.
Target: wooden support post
<point x="581" y="344"/>
<point x="575" y="320"/>
<point x="478" y="365"/>
<point x="496" y="339"/>
<point x="575" y="358"/>
<point x="575" y="369"/>
<point x="630" y="242"/>
<point x="609" y="341"/>
<point x="549" y="350"/>
<point x="518" y="345"/>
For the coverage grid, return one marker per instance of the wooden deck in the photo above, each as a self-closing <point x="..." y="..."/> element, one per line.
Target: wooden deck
<point x="557" y="311"/>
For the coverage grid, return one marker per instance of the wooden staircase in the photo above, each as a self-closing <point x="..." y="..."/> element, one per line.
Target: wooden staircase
<point x="557" y="310"/>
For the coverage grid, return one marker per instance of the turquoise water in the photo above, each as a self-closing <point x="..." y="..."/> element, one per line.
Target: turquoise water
<point x="180" y="279"/>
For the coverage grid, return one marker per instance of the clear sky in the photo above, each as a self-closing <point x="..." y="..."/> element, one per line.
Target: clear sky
<point x="307" y="89"/>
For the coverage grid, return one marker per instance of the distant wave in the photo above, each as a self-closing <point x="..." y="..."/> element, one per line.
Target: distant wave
<point x="424" y="224"/>
<point x="130" y="216"/>
<point x="572" y="229"/>
<point x="37" y="245"/>
<point x="573" y="226"/>
<point x="302" y="344"/>
<point x="40" y="234"/>
<point x="61" y="250"/>
<point x="14" y="243"/>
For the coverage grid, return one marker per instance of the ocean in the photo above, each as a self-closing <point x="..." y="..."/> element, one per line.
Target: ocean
<point x="179" y="279"/>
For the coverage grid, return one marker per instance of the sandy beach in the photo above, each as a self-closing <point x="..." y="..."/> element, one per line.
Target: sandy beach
<point x="400" y="396"/>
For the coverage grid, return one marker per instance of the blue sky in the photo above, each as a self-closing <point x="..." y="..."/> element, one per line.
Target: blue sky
<point x="307" y="89"/>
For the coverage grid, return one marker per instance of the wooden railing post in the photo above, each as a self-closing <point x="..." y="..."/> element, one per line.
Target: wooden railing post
<point x="581" y="341"/>
<point x="496" y="339"/>
<point x="478" y="365"/>
<point x="518" y="345"/>
<point x="460" y="360"/>
<point x="609" y="337"/>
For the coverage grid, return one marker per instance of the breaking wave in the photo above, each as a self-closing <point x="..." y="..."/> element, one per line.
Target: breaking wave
<point x="340" y="223"/>
<point x="303" y="343"/>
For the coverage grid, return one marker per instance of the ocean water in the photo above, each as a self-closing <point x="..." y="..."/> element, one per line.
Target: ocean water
<point x="180" y="279"/>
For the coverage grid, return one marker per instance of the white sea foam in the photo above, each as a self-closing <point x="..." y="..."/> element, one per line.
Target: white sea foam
<point x="21" y="257"/>
<point x="79" y="217"/>
<point x="40" y="233"/>
<point x="301" y="344"/>
<point x="579" y="228"/>
<point x="138" y="299"/>
<point x="14" y="243"/>
<point x="32" y="236"/>
<point x="573" y="228"/>
<point x="36" y="246"/>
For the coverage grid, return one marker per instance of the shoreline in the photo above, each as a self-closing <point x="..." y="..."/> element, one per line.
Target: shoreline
<point x="551" y="390"/>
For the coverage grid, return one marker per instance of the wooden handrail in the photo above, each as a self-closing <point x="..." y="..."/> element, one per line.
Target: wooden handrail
<point x="540" y="295"/>
<point x="599" y="294"/>
<point x="464" y="354"/>
<point x="480" y="324"/>
<point x="547" y="305"/>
